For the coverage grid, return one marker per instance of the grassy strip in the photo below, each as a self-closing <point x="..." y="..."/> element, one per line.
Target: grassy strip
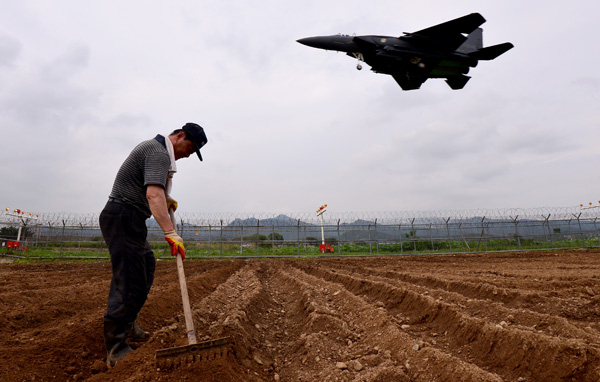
<point x="77" y="251"/>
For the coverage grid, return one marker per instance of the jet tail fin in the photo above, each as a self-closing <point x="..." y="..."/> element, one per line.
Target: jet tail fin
<point x="491" y="52"/>
<point x="473" y="43"/>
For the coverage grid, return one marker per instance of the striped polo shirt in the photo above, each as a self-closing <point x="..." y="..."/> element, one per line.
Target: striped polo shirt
<point x="148" y="163"/>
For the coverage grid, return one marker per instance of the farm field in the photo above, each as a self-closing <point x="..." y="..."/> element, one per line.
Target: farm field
<point x="522" y="317"/>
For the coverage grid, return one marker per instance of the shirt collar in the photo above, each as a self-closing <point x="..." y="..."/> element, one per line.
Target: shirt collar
<point x="169" y="146"/>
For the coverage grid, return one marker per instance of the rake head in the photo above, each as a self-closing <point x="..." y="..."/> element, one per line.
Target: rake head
<point x="188" y="354"/>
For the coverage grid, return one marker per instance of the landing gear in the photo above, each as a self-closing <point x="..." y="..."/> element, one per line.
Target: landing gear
<point x="359" y="57"/>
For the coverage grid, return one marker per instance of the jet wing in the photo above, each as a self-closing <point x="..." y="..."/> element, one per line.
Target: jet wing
<point x="465" y="24"/>
<point x="446" y="36"/>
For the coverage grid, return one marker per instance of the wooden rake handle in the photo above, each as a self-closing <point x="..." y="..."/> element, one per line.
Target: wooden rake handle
<point x="187" y="310"/>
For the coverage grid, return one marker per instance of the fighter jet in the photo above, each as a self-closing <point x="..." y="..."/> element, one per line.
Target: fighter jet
<point x="445" y="50"/>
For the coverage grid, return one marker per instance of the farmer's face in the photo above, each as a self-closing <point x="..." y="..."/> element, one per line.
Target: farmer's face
<point x="182" y="147"/>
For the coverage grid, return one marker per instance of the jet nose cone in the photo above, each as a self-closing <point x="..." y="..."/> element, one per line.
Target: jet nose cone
<point x="338" y="42"/>
<point x="310" y="41"/>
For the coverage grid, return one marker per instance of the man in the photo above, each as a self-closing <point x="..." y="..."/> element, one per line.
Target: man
<point x="141" y="189"/>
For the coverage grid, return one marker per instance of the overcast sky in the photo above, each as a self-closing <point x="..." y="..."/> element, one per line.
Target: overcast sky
<point x="292" y="127"/>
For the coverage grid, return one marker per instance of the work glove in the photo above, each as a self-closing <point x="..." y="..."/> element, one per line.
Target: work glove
<point x="176" y="243"/>
<point x="171" y="203"/>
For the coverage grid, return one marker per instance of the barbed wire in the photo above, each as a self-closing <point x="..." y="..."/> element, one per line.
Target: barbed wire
<point x="293" y="218"/>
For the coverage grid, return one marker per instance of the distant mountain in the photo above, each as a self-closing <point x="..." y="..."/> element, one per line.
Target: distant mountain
<point x="359" y="222"/>
<point x="280" y="220"/>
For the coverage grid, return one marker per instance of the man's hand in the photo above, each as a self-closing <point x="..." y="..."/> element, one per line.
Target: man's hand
<point x="171" y="203"/>
<point x="176" y="243"/>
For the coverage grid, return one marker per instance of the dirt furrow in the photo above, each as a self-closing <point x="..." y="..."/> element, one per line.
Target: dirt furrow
<point x="490" y="310"/>
<point x="348" y="338"/>
<point x="552" y="297"/>
<point x="506" y="350"/>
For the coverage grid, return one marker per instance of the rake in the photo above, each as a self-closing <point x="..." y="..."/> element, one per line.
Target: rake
<point x="194" y="351"/>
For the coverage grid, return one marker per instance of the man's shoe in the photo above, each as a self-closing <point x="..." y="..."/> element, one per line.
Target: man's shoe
<point x="137" y="334"/>
<point x="118" y="352"/>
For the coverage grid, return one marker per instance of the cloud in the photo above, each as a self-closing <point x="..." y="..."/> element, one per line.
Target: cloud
<point x="10" y="48"/>
<point x="292" y="127"/>
<point x="46" y="96"/>
<point x="75" y="59"/>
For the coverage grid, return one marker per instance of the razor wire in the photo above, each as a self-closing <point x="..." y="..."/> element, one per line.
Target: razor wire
<point x="57" y="219"/>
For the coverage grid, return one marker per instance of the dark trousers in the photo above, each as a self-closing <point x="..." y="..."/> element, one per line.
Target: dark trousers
<point x="133" y="264"/>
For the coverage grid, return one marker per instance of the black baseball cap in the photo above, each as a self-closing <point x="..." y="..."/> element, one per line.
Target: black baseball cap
<point x="196" y="132"/>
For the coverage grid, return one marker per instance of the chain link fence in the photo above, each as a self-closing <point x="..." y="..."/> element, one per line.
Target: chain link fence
<point x="299" y="234"/>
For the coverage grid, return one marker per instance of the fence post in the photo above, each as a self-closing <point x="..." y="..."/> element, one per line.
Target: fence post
<point x="544" y="229"/>
<point x="401" y="241"/>
<point x="339" y="238"/>
<point x="241" y="239"/>
<point x="376" y="237"/>
<point x="448" y="232"/>
<point x="547" y="221"/>
<point x="595" y="229"/>
<point x="369" y="235"/>
<point x="62" y="238"/>
<point x="257" y="235"/>
<point x="413" y="233"/>
<point x="182" y="229"/>
<point x="273" y="239"/>
<point x="462" y="237"/>
<point x="305" y="241"/>
<point x="48" y="234"/>
<point x="298" y="234"/>
<point x="209" y="238"/>
<point x="221" y="249"/>
<point x="517" y="230"/>
<point x="580" y="229"/>
<point x="481" y="237"/>
<point x="80" y="236"/>
<point x="431" y="237"/>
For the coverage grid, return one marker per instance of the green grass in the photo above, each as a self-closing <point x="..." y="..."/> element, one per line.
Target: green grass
<point x="98" y="251"/>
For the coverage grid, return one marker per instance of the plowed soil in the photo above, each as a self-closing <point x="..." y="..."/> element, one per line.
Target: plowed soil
<point x="486" y="317"/>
